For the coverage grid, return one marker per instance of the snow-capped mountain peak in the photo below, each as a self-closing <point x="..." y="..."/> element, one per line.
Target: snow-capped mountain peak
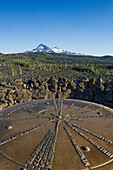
<point x="43" y="48"/>
<point x="46" y="49"/>
<point x="58" y="50"/>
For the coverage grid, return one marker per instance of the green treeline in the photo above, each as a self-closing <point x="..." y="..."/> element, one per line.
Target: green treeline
<point x="21" y="63"/>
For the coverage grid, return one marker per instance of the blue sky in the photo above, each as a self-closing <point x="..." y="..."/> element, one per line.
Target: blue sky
<point x="84" y="26"/>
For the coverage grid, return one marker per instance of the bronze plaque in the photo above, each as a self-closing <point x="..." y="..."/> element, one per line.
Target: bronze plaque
<point x="57" y="134"/>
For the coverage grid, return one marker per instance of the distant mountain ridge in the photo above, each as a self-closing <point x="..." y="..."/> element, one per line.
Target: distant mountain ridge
<point x="46" y="49"/>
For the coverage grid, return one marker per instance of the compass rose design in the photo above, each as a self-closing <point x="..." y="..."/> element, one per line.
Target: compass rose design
<point x="56" y="134"/>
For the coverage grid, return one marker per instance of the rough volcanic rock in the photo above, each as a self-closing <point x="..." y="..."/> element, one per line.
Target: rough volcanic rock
<point x="98" y="99"/>
<point x="23" y="95"/>
<point x="3" y="105"/>
<point x="18" y="91"/>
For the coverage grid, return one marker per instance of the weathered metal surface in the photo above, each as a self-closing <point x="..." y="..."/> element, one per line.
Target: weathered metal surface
<point x="50" y="134"/>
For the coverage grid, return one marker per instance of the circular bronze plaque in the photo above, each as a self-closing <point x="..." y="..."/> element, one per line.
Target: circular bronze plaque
<point x="57" y="134"/>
